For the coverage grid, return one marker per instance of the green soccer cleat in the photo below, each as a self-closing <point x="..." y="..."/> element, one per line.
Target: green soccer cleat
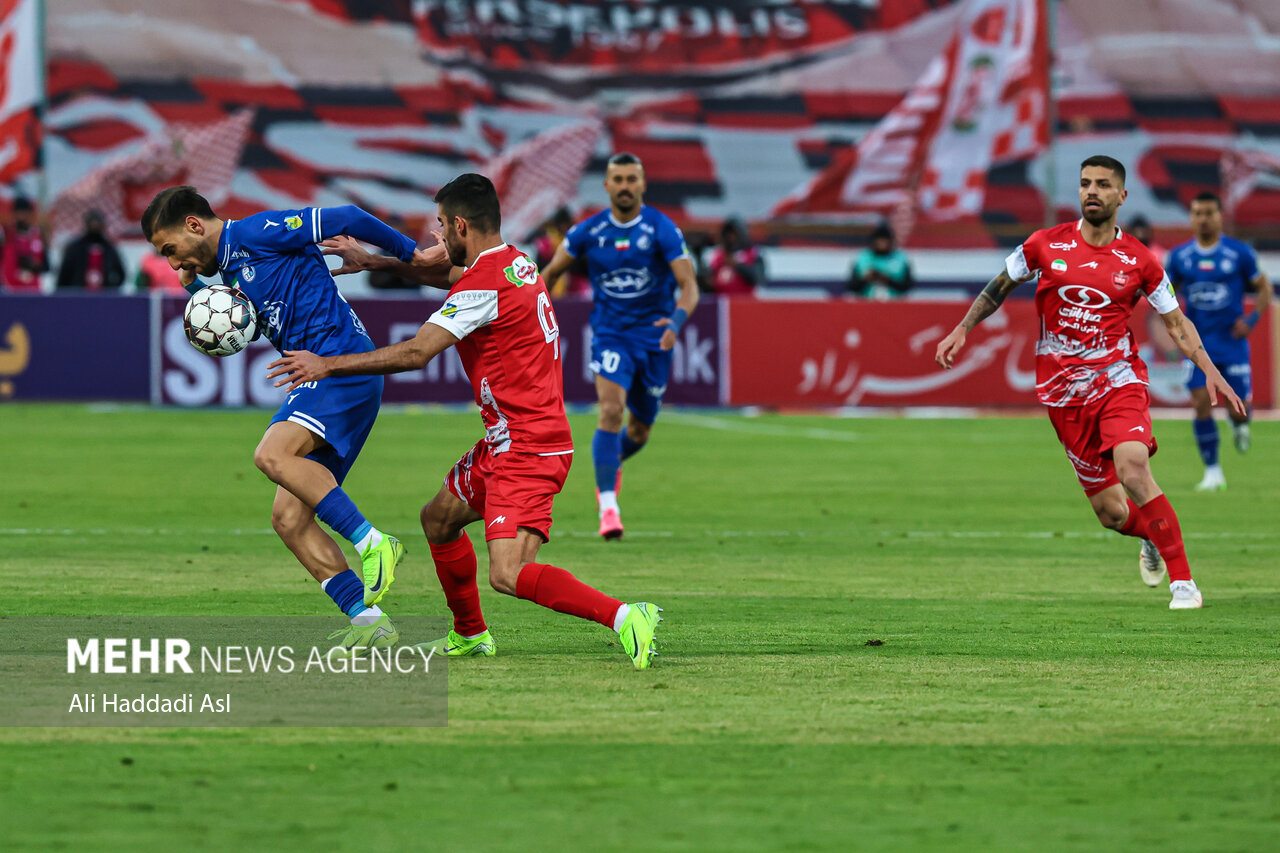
<point x="359" y="639"/>
<point x="637" y="633"/>
<point x="457" y="646"/>
<point x="379" y="568"/>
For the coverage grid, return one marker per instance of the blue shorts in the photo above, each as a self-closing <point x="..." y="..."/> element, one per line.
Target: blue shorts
<point x="341" y="410"/>
<point x="1239" y="376"/>
<point x="642" y="371"/>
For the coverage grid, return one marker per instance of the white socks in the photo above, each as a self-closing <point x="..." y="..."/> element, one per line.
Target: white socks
<point x="608" y="500"/>
<point x="621" y="615"/>
<point x="367" y="617"/>
<point x="372" y="539"/>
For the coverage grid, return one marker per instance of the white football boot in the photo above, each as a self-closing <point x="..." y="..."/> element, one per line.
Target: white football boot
<point x="1151" y="565"/>
<point x="1214" y="480"/>
<point x="1185" y="596"/>
<point x="1241" y="437"/>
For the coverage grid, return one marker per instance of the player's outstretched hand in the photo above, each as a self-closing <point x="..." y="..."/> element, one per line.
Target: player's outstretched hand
<point x="354" y="257"/>
<point x="1216" y="386"/>
<point x="432" y="256"/>
<point x="669" y="336"/>
<point x="297" y="367"/>
<point x="949" y="347"/>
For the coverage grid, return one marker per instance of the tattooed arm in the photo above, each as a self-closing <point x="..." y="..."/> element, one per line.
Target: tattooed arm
<point x="991" y="297"/>
<point x="1184" y="334"/>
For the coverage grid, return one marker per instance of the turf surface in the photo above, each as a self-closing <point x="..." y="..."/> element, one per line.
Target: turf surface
<point x="881" y="634"/>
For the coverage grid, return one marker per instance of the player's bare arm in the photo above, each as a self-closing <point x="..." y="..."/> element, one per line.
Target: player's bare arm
<point x="558" y="265"/>
<point x="1184" y="334"/>
<point x="987" y="303"/>
<point x="430" y="266"/>
<point x="300" y="366"/>
<point x="682" y="269"/>
<point x="1243" y="326"/>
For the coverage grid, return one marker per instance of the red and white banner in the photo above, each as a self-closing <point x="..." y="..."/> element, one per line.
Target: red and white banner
<point x="536" y="177"/>
<point x="20" y="82"/>
<point x="982" y="102"/>
<point x="881" y="354"/>
<point x="205" y="156"/>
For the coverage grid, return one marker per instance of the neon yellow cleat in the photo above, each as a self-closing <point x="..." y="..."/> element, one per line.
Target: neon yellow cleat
<point x="359" y="639"/>
<point x="457" y="646"/>
<point x="637" y="633"/>
<point x="379" y="568"/>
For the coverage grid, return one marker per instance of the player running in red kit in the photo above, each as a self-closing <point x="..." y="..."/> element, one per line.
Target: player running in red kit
<point x="1088" y="372"/>
<point x="499" y="316"/>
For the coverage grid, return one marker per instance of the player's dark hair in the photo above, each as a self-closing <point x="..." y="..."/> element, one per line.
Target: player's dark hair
<point x="170" y="207"/>
<point x="472" y="197"/>
<point x="1208" y="196"/>
<point x="625" y="158"/>
<point x="1105" y="162"/>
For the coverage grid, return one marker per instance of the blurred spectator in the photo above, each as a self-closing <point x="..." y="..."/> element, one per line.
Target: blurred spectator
<point x="1140" y="228"/>
<point x="25" y="253"/>
<point x="384" y="280"/>
<point x="881" y="271"/>
<point x="90" y="262"/>
<point x="735" y="266"/>
<point x="574" y="281"/>
<point x="155" y="273"/>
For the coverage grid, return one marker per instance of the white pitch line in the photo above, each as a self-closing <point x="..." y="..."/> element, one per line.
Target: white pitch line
<point x="725" y="425"/>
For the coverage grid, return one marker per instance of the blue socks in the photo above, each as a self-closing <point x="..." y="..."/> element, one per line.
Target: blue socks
<point x="1207" y="440"/>
<point x="629" y="447"/>
<point x="347" y="591"/>
<point x="336" y="510"/>
<point x="606" y="452"/>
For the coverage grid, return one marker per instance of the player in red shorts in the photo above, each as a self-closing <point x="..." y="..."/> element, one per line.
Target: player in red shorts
<point x="1088" y="372"/>
<point x="499" y="316"/>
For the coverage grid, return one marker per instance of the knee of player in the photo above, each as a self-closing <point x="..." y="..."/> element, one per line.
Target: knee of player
<point x="1135" y="477"/>
<point x="502" y="576"/>
<point x="436" y="526"/>
<point x="267" y="462"/>
<point x="288" y="522"/>
<point x="638" y="432"/>
<point x="611" y="414"/>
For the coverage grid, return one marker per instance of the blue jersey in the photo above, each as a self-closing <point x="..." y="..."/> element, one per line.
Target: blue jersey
<point x="629" y="264"/>
<point x="274" y="259"/>
<point x="1213" y="282"/>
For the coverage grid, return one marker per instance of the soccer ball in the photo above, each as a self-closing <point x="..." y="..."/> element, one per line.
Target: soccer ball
<point x="220" y="320"/>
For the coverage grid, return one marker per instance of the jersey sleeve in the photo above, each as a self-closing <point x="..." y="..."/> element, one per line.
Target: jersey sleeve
<point x="1157" y="286"/>
<point x="290" y="230"/>
<point x="671" y="239"/>
<point x="575" y="240"/>
<point x="1023" y="262"/>
<point x="1248" y="263"/>
<point x="466" y="310"/>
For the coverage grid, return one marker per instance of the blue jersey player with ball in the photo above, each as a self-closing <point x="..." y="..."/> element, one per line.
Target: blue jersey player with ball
<point x="1212" y="273"/>
<point x="314" y="438"/>
<point x="637" y="260"/>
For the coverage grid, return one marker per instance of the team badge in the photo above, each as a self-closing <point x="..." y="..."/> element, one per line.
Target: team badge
<point x="1119" y="279"/>
<point x="521" y="272"/>
<point x="247" y="273"/>
<point x="292" y="223"/>
<point x="1059" y="265"/>
<point x="643" y="242"/>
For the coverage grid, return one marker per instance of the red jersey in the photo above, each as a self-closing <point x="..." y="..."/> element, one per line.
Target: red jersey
<point x="509" y="342"/>
<point x="1085" y="297"/>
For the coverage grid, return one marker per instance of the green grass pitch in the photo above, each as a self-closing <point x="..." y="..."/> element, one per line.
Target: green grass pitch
<point x="1024" y="691"/>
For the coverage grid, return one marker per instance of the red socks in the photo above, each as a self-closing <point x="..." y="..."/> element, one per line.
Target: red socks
<point x="456" y="568"/>
<point x="562" y="592"/>
<point x="1134" y="525"/>
<point x="1162" y="528"/>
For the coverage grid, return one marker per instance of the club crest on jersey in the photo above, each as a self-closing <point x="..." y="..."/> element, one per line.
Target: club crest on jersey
<point x="247" y="273"/>
<point x="643" y="242"/>
<point x="1122" y="256"/>
<point x="622" y="244"/>
<point x="292" y="223"/>
<point x="1066" y="247"/>
<point x="1119" y="279"/>
<point x="1059" y="265"/>
<point x="521" y="272"/>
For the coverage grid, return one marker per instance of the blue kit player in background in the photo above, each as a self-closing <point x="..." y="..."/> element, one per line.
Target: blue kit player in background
<point x="1212" y="272"/>
<point x="316" y="435"/>
<point x="636" y="260"/>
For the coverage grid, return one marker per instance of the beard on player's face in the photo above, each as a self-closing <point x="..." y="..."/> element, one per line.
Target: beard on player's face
<point x="1098" y="213"/>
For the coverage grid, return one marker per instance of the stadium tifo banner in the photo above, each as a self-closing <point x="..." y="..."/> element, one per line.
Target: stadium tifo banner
<point x="84" y="347"/>
<point x="20" y="86"/>
<point x="881" y="354"/>
<point x="187" y="377"/>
